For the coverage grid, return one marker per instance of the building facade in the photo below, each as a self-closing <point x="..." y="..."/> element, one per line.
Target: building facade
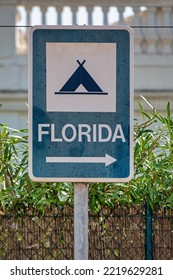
<point x="152" y="22"/>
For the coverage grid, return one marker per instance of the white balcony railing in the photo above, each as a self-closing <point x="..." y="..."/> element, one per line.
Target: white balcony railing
<point x="152" y="22"/>
<point x="147" y="40"/>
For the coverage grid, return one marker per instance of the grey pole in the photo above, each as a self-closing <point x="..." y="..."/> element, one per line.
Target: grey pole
<point x="80" y="221"/>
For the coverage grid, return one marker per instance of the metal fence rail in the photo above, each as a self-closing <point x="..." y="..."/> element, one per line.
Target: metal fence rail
<point x="163" y="234"/>
<point x="119" y="233"/>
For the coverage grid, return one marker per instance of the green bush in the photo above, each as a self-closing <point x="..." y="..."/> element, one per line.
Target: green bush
<point x="153" y="166"/>
<point x="152" y="182"/>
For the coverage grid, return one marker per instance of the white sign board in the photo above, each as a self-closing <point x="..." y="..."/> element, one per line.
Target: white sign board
<point x="94" y="61"/>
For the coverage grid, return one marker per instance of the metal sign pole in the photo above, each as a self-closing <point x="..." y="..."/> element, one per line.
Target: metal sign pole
<point x="80" y="221"/>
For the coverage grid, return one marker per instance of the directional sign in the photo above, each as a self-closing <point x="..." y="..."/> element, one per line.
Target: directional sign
<point x="81" y="104"/>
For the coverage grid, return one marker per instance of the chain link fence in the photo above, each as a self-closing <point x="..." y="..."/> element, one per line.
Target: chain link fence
<point x="119" y="233"/>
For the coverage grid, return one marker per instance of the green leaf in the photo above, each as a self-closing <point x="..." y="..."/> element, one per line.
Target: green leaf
<point x="168" y="109"/>
<point x="93" y="202"/>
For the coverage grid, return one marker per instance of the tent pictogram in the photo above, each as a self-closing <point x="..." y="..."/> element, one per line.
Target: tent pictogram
<point x="78" y="78"/>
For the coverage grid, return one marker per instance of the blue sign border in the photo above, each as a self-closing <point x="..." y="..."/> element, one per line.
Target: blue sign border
<point x="122" y="169"/>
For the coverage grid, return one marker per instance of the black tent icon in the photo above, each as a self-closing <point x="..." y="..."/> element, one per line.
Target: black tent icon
<point x="81" y="77"/>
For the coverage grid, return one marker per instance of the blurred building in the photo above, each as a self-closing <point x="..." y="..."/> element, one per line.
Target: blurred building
<point x="152" y="22"/>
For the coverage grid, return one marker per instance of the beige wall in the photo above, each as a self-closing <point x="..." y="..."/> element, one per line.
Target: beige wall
<point x="153" y="57"/>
